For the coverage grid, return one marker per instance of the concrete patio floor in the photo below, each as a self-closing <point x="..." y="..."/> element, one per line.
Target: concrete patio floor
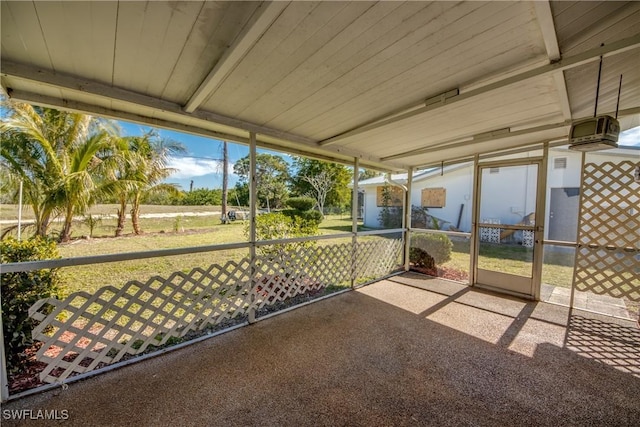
<point x="431" y="353"/>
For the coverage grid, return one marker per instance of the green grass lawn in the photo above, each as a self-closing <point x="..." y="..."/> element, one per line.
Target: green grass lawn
<point x="557" y="268"/>
<point x="189" y="231"/>
<point x="194" y="231"/>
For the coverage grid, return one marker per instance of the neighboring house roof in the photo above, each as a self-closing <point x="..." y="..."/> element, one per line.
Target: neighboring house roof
<point x="401" y="178"/>
<point x="423" y="175"/>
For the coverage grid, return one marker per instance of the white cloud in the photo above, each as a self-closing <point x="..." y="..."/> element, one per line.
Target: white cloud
<point x="189" y="167"/>
<point x="630" y="137"/>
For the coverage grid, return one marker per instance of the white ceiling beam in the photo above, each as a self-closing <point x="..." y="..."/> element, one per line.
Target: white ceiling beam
<point x="260" y="21"/>
<point x="102" y="90"/>
<point x="561" y="87"/>
<point x="96" y="110"/>
<point x="560" y="65"/>
<point x="61" y="104"/>
<point x="495" y="135"/>
<point x="548" y="29"/>
<point x="291" y="142"/>
<point x="483" y="137"/>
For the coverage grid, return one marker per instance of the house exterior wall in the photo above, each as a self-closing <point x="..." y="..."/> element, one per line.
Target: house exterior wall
<point x="459" y="186"/>
<point x="508" y="195"/>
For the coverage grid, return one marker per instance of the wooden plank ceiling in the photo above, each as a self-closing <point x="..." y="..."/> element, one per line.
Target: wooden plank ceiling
<point x="394" y="84"/>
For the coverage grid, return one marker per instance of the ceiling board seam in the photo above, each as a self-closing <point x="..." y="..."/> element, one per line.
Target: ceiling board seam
<point x="44" y="39"/>
<point x="115" y="45"/>
<point x="325" y="85"/>
<point x="300" y="62"/>
<point x="184" y="45"/>
<point x="390" y="59"/>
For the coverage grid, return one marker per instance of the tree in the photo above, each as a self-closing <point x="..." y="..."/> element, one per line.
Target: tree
<point x="152" y="155"/>
<point x="367" y="174"/>
<point x="272" y="174"/>
<point x="326" y="182"/>
<point x="64" y="160"/>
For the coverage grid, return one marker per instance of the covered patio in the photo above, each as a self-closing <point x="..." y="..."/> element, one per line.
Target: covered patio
<point x="386" y="86"/>
<point x="408" y="350"/>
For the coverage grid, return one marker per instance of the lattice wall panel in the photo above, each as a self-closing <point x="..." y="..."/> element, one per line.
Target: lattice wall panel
<point x="89" y="330"/>
<point x="377" y="258"/>
<point x="608" y="258"/>
<point x="85" y="331"/>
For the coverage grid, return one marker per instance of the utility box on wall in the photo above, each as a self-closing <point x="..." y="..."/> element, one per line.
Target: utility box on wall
<point x="434" y="197"/>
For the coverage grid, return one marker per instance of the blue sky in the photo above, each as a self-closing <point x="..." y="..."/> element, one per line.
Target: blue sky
<point x="202" y="163"/>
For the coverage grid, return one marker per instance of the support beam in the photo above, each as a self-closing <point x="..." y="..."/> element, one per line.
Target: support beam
<point x="548" y="30"/>
<point x="101" y="90"/>
<point x="484" y="137"/>
<point x="172" y="110"/>
<point x="560" y="65"/>
<point x="261" y="20"/>
<point x="63" y="104"/>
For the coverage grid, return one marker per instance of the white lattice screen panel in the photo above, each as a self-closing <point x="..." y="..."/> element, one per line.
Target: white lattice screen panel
<point x="85" y="331"/>
<point x="608" y="257"/>
<point x="89" y="330"/>
<point x="377" y="258"/>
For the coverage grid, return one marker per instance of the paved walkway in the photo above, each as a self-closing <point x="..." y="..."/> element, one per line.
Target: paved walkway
<point x="432" y="353"/>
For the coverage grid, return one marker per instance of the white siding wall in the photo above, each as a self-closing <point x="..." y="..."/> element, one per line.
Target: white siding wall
<point x="459" y="185"/>
<point x="509" y="194"/>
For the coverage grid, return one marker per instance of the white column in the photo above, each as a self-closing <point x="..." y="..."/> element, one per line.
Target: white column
<point x="354" y="220"/>
<point x="407" y="220"/>
<point x="252" y="218"/>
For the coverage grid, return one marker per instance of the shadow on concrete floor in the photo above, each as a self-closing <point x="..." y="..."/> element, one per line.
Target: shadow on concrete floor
<point x="385" y="354"/>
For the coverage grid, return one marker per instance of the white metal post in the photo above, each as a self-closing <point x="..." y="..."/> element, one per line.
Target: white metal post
<point x="475" y="209"/>
<point x="20" y="212"/>
<point x="252" y="219"/>
<point x="407" y="221"/>
<point x="541" y="203"/>
<point x="4" y="379"/>
<point x="575" y="257"/>
<point x="354" y="220"/>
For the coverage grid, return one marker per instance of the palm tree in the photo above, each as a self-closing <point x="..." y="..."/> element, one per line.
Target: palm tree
<point x="64" y="159"/>
<point x="147" y="165"/>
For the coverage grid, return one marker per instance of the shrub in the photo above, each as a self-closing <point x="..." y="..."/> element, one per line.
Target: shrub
<point x="425" y="246"/>
<point x="275" y="226"/>
<point x="302" y="211"/>
<point x="21" y="290"/>
<point x="301" y="203"/>
<point x="312" y="217"/>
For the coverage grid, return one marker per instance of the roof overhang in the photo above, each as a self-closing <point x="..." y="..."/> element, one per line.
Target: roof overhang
<point x="395" y="85"/>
